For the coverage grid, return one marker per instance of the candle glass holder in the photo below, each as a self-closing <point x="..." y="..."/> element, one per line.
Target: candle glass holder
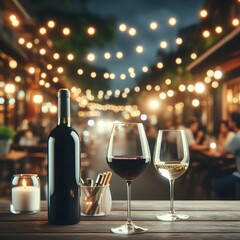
<point x="25" y="194"/>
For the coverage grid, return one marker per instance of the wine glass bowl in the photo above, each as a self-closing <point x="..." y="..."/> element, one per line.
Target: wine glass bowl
<point x="171" y="160"/>
<point x="128" y="155"/>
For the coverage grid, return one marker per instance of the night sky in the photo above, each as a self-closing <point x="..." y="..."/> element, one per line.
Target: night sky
<point x="139" y="14"/>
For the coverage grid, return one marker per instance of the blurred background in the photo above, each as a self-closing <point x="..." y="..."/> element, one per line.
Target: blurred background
<point x="162" y="63"/>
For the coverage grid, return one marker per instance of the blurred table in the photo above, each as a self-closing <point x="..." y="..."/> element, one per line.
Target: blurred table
<point x="207" y="220"/>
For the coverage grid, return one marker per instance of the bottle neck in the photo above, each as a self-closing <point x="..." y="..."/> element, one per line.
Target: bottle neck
<point x="64" y="111"/>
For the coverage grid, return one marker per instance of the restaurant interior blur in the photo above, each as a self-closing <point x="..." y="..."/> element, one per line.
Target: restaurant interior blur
<point x="191" y="83"/>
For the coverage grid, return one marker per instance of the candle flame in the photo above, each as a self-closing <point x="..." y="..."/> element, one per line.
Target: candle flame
<point x="24" y="183"/>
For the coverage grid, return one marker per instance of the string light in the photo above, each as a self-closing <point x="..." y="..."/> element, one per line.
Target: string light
<point x="51" y="24"/>
<point x="91" y="31"/>
<point x="218" y="29"/>
<point x="153" y="25"/>
<point x="139" y="49"/>
<point x="119" y="55"/>
<point x="43" y="30"/>
<point x="56" y="56"/>
<point x="107" y="55"/>
<point x="80" y="71"/>
<point x="21" y="41"/>
<point x="159" y="65"/>
<point x="132" y="32"/>
<point x="29" y="45"/>
<point x="235" y="22"/>
<point x="70" y="57"/>
<point x="206" y="34"/>
<point x="122" y="27"/>
<point x="66" y="31"/>
<point x="179" y="41"/>
<point x="91" y="57"/>
<point x="193" y="56"/>
<point x="203" y="13"/>
<point x="163" y="44"/>
<point x="178" y="61"/>
<point x="172" y="21"/>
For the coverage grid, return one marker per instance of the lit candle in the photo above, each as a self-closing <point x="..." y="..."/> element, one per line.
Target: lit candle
<point x="25" y="198"/>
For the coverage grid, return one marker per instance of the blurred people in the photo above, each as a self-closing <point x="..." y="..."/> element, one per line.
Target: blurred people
<point x="224" y="136"/>
<point x="37" y="129"/>
<point x="28" y="139"/>
<point x="195" y="136"/>
<point x="225" y="187"/>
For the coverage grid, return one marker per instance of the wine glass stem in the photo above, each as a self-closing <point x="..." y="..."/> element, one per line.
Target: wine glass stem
<point x="129" y="218"/>
<point x="171" y="183"/>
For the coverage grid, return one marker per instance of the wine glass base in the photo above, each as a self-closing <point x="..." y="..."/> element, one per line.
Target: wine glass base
<point x="172" y="217"/>
<point x="129" y="228"/>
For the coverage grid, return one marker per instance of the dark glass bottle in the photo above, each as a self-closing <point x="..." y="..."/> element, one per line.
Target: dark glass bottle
<point x="63" y="167"/>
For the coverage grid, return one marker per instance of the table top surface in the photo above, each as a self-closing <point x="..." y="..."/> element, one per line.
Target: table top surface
<point x="207" y="220"/>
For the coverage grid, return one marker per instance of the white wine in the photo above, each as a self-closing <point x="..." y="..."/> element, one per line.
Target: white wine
<point x="171" y="170"/>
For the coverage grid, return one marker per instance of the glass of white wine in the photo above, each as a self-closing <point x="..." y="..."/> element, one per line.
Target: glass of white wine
<point x="171" y="159"/>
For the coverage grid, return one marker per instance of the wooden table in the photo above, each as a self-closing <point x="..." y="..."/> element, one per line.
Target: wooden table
<point x="207" y="220"/>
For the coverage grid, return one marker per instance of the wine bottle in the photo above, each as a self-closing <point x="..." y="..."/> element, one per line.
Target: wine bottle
<point x="63" y="167"/>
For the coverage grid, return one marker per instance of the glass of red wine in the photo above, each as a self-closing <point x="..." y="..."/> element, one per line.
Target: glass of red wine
<point x="128" y="155"/>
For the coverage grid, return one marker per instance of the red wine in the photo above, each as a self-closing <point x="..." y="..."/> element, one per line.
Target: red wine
<point x="127" y="167"/>
<point x="63" y="167"/>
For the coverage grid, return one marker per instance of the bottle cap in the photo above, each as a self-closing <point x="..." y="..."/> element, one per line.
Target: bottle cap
<point x="63" y="93"/>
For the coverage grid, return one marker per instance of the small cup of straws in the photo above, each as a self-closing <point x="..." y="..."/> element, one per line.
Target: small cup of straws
<point x="96" y="199"/>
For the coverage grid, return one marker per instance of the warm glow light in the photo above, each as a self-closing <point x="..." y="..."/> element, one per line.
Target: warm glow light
<point x="70" y="56"/>
<point x="199" y="88"/>
<point x="43" y="75"/>
<point x="123" y="76"/>
<point x="10" y="88"/>
<point x="90" y="57"/>
<point x="163" y="44"/>
<point x="139" y="49"/>
<point x="131" y="70"/>
<point x="29" y="45"/>
<point x="162" y="95"/>
<point x="41" y="82"/>
<point x="51" y="24"/>
<point x="132" y="75"/>
<point x="218" y="29"/>
<point x="190" y="88"/>
<point x="42" y="51"/>
<point x="56" y="56"/>
<point x="119" y="55"/>
<point x="178" y="61"/>
<point x="218" y="74"/>
<point x="153" y="25"/>
<point x="210" y="73"/>
<point x="207" y="80"/>
<point x="106" y="75"/>
<point x="21" y="41"/>
<point x="149" y="87"/>
<point x="215" y="84"/>
<point x="31" y="70"/>
<point x="55" y="79"/>
<point x="193" y="56"/>
<point x="80" y="71"/>
<point x="49" y="66"/>
<point x="12" y="17"/>
<point x="38" y="98"/>
<point x="157" y="88"/>
<point x="122" y="27"/>
<point x="145" y="69"/>
<point x="203" y="13"/>
<point x="137" y="89"/>
<point x="182" y="88"/>
<point x="13" y="64"/>
<point x="154" y="104"/>
<point x="47" y="85"/>
<point x="66" y="31"/>
<point x="91" y="30"/>
<point x="93" y="75"/>
<point x="159" y="65"/>
<point x="206" y="34"/>
<point x="42" y="30"/>
<point x="179" y="41"/>
<point x="235" y="22"/>
<point x="168" y="81"/>
<point x="172" y="21"/>
<point x="112" y="76"/>
<point x="195" y="102"/>
<point x="107" y="55"/>
<point x="60" y="70"/>
<point x="132" y="31"/>
<point x="15" y="23"/>
<point x="18" y="79"/>
<point x="170" y="93"/>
